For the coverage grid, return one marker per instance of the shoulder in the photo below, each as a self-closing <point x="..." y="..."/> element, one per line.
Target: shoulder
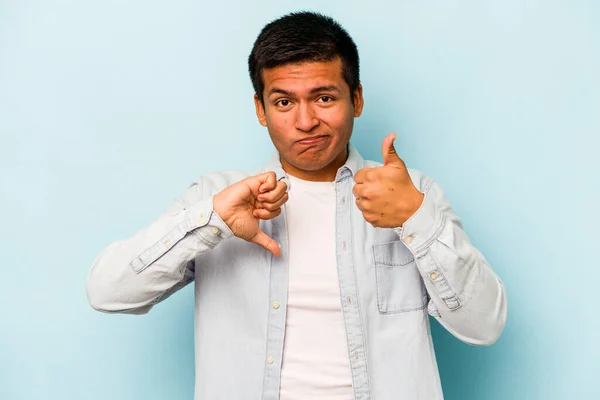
<point x="213" y="182"/>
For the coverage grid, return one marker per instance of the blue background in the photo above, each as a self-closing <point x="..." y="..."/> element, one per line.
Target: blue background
<point x="109" y="109"/>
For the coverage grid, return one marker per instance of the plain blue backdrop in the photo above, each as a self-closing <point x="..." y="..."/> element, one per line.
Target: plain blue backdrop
<point x="109" y="109"/>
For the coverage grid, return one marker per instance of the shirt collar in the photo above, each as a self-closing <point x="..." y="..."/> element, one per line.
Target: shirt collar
<point x="354" y="161"/>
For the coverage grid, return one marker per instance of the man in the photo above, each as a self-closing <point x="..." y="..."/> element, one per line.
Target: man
<point x="314" y="277"/>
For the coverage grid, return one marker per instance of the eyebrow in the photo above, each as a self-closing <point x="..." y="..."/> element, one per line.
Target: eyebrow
<point x="329" y="88"/>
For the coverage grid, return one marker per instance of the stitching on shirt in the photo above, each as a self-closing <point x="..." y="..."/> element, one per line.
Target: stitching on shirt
<point x="394" y="310"/>
<point x="156" y="251"/>
<point x="434" y="237"/>
<point x="337" y="257"/>
<point x="401" y="311"/>
<point x="268" y="337"/>
<point x="360" y="314"/>
<point x="391" y="264"/>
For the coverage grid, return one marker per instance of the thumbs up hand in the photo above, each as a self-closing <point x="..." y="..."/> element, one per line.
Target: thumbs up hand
<point x="386" y="195"/>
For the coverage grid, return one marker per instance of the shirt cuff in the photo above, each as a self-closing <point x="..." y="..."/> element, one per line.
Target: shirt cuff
<point x="206" y="224"/>
<point x="423" y="227"/>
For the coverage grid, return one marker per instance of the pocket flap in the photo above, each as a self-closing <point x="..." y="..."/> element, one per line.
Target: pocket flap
<point x="393" y="253"/>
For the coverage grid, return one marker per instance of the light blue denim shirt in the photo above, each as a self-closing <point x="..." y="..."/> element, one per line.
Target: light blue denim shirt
<point x="390" y="280"/>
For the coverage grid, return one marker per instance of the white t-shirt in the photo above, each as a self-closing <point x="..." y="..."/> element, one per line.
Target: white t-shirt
<point x="315" y="361"/>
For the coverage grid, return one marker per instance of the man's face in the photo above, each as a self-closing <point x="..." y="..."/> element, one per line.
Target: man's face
<point x="309" y="113"/>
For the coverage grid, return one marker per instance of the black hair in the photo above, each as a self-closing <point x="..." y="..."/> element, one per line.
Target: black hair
<point x="299" y="37"/>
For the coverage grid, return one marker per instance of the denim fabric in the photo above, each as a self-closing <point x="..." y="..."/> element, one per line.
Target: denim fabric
<point x="390" y="280"/>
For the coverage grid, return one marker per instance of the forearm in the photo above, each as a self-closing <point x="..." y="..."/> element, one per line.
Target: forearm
<point x="467" y="297"/>
<point x="133" y="274"/>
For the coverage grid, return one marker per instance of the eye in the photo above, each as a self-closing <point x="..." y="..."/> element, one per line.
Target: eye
<point x="325" y="99"/>
<point x="282" y="103"/>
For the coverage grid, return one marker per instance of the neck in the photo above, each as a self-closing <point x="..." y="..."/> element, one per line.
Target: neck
<point x="326" y="174"/>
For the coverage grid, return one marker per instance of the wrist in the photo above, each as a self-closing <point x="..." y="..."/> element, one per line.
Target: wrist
<point x="217" y="205"/>
<point x="413" y="205"/>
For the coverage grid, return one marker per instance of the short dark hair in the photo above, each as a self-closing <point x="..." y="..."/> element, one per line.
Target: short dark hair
<point x="299" y="37"/>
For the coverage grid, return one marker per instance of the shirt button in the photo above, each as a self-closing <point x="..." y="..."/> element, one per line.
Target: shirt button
<point x="202" y="219"/>
<point x="349" y="300"/>
<point x="344" y="245"/>
<point x="275" y="305"/>
<point x="270" y="360"/>
<point x="214" y="230"/>
<point x="344" y="200"/>
<point x="408" y="239"/>
<point x="433" y="276"/>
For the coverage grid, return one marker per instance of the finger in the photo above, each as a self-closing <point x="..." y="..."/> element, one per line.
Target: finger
<point x="269" y="181"/>
<point x="275" y="194"/>
<point x="357" y="190"/>
<point x="362" y="204"/>
<point x="263" y="240"/>
<point x="389" y="151"/>
<point x="363" y="191"/>
<point x="370" y="218"/>
<point x="361" y="175"/>
<point x="273" y="206"/>
<point x="266" y="214"/>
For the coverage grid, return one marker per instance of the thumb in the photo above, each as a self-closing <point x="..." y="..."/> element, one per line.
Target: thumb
<point x="388" y="151"/>
<point x="265" y="241"/>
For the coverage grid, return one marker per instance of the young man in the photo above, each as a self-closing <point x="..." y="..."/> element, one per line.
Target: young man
<point x="314" y="277"/>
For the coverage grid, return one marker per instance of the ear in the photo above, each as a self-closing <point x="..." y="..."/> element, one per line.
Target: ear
<point x="260" y="111"/>
<point x="357" y="99"/>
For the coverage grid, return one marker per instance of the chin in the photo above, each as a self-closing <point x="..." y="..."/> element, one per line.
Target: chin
<point x="313" y="165"/>
<point x="307" y="166"/>
<point x="311" y="161"/>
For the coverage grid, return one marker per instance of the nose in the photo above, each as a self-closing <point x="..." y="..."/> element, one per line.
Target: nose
<point x="306" y="119"/>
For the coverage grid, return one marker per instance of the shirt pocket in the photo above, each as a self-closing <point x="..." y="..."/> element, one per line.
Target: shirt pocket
<point x="400" y="287"/>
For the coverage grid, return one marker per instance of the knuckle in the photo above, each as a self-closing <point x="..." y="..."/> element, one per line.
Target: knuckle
<point x="361" y="174"/>
<point x="370" y="174"/>
<point x="268" y="197"/>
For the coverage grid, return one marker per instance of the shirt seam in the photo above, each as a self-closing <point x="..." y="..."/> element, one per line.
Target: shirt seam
<point x="358" y="307"/>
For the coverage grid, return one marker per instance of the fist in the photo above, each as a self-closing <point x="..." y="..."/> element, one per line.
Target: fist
<point x="386" y="195"/>
<point x="244" y="203"/>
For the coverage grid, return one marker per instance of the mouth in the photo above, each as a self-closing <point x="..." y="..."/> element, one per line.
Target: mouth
<point x="312" y="140"/>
